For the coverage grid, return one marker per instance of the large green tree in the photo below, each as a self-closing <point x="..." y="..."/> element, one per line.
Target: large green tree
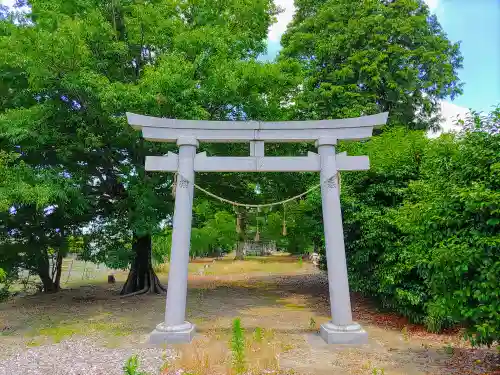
<point x="72" y="70"/>
<point x="368" y="56"/>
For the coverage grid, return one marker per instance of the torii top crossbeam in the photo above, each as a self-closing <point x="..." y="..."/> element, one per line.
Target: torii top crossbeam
<point x="170" y="130"/>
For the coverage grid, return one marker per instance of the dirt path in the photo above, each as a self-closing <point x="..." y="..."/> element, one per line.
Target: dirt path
<point x="285" y="309"/>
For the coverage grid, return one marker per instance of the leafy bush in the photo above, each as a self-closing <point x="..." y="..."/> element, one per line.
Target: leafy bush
<point x="131" y="367"/>
<point x="377" y="266"/>
<point x="7" y="278"/>
<point x="422" y="226"/>
<point x="161" y="244"/>
<point x="451" y="220"/>
<point x="4" y="286"/>
<point x="215" y="231"/>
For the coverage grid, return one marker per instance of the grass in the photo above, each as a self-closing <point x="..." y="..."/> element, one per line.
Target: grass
<point x="252" y="266"/>
<point x="163" y="268"/>
<point x="312" y="324"/>
<point x="238" y="347"/>
<point x="448" y="349"/>
<point x="280" y="317"/>
<point x="214" y="353"/>
<point x="294" y="306"/>
<point x="131" y="367"/>
<point x="76" y="272"/>
<point x="65" y="329"/>
<point x="404" y="332"/>
<point x="258" y="335"/>
<point x="34" y="343"/>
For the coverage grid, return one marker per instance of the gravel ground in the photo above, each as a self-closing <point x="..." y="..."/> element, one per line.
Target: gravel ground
<point x="81" y="357"/>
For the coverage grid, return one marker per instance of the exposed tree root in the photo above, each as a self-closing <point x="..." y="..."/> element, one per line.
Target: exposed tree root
<point x="152" y="284"/>
<point x="142" y="278"/>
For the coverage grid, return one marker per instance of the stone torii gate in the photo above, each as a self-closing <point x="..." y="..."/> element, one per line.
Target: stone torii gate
<point x="325" y="133"/>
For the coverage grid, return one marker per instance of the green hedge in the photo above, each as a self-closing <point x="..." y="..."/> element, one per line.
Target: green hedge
<point x="422" y="227"/>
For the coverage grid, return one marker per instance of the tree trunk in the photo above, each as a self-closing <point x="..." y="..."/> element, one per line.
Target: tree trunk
<point x="240" y="255"/>
<point x="57" y="279"/>
<point x="142" y="278"/>
<point x="239" y="251"/>
<point x="48" y="284"/>
<point x="44" y="272"/>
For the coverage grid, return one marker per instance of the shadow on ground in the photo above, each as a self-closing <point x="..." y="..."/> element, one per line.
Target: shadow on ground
<point x="289" y="306"/>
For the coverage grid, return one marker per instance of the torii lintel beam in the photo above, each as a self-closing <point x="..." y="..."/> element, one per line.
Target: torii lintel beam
<point x="169" y="130"/>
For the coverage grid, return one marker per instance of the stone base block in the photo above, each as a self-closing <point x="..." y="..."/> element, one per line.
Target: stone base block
<point x="352" y="334"/>
<point x="181" y="334"/>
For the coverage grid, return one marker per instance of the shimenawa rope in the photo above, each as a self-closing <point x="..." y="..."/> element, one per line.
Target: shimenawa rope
<point x="248" y="205"/>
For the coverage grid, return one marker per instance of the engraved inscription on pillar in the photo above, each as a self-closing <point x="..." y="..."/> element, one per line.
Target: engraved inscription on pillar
<point x="183" y="183"/>
<point x="331" y="182"/>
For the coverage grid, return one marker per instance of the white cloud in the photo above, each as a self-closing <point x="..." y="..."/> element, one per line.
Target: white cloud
<point x="450" y="113"/>
<point x="284" y="18"/>
<point x="432" y="4"/>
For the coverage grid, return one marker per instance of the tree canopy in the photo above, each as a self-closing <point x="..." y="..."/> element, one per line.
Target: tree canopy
<point x="72" y="70"/>
<point x="365" y="57"/>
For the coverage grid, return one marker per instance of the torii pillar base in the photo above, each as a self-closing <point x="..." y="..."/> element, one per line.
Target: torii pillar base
<point x="352" y="334"/>
<point x="182" y="334"/>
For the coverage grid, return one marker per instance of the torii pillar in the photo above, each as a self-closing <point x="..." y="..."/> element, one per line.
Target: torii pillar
<point x="174" y="329"/>
<point x="341" y="329"/>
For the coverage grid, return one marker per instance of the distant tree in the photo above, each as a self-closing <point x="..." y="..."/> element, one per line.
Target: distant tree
<point x="369" y="56"/>
<point x="39" y="210"/>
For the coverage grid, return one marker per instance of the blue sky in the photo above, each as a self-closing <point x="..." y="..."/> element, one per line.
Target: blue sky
<point x="476" y="23"/>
